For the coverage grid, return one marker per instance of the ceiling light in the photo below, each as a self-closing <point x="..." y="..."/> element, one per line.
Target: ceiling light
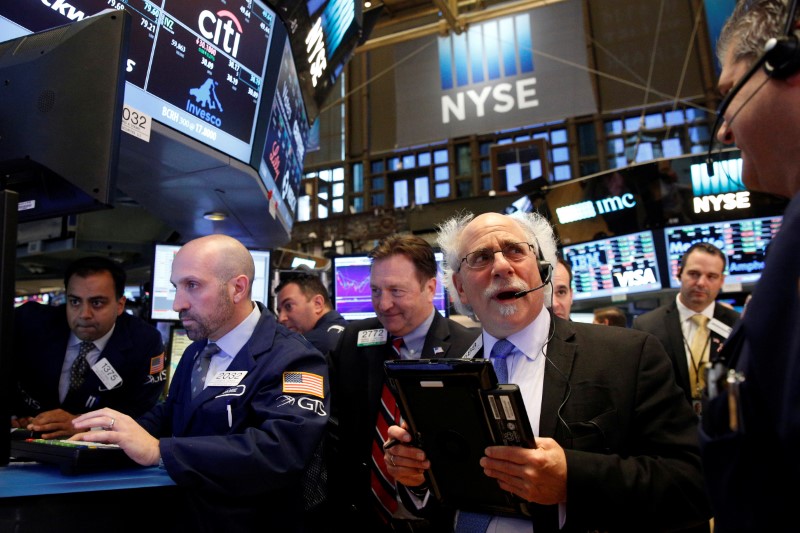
<point x="215" y="216"/>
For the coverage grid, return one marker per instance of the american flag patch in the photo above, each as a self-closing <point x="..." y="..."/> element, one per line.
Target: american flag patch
<point x="156" y="364"/>
<point x="303" y="383"/>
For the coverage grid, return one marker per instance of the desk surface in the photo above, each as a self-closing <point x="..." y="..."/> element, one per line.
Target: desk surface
<point x="35" y="479"/>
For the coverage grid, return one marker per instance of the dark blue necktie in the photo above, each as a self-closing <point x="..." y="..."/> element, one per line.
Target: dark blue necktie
<point x="201" y="368"/>
<point x="502" y="349"/>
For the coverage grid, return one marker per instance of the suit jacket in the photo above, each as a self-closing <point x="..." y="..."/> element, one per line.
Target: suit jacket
<point x="665" y="323"/>
<point x="41" y="334"/>
<point x="752" y="471"/>
<point x="325" y="334"/>
<point x="358" y="378"/>
<point x="630" y="439"/>
<point x="241" y="450"/>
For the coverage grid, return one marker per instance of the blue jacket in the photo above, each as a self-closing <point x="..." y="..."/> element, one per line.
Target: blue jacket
<point x="241" y="450"/>
<point x="41" y="333"/>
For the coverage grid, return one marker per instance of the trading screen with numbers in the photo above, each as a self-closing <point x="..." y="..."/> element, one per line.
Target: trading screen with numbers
<point x="617" y="265"/>
<point x="196" y="66"/>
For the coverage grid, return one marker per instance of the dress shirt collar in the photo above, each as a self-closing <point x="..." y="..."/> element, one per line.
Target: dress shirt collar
<point x="686" y="314"/>
<point x="414" y="341"/>
<point x="232" y="342"/>
<point x="99" y="344"/>
<point x="530" y="340"/>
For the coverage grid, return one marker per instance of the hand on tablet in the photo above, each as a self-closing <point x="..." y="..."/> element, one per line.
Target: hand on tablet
<point x="404" y="461"/>
<point x="535" y="475"/>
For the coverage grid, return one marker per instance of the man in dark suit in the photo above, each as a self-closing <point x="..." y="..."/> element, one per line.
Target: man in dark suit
<point x="304" y="306"/>
<point x="617" y="444"/>
<point x="701" y="273"/>
<point x="403" y="283"/>
<point x="246" y="409"/>
<point x="124" y="367"/>
<point x="750" y="452"/>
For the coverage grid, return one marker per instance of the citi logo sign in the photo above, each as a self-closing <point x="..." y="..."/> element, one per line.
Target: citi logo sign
<point x="634" y="278"/>
<point x="223" y="29"/>
<point x="496" y="49"/>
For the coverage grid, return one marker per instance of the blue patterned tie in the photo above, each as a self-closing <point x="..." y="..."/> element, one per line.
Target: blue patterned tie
<point x="201" y="369"/>
<point x="77" y="373"/>
<point x="500" y="351"/>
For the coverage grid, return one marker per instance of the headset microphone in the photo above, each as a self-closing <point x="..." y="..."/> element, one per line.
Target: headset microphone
<point x="545" y="273"/>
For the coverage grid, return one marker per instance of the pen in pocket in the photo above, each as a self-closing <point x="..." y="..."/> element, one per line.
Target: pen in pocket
<point x="230" y="416"/>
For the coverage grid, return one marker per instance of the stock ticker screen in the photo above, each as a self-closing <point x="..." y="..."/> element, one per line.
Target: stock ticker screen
<point x="744" y="243"/>
<point x="197" y="66"/>
<point x="618" y="265"/>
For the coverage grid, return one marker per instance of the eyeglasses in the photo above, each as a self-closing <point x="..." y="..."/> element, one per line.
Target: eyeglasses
<point x="514" y="252"/>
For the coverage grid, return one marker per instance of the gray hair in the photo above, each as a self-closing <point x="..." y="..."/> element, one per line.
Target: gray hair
<point x="538" y="232"/>
<point x="750" y="26"/>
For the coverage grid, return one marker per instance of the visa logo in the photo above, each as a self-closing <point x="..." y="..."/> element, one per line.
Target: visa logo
<point x="634" y="278"/>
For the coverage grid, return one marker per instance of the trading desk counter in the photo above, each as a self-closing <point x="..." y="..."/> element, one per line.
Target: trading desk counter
<point x="37" y="497"/>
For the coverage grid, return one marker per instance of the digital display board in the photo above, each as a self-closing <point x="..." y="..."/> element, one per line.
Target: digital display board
<point x="163" y="292"/>
<point x="744" y="243"/>
<point x="197" y="67"/>
<point x="287" y="134"/>
<point x="323" y="35"/>
<point x="618" y="265"/>
<point x="352" y="293"/>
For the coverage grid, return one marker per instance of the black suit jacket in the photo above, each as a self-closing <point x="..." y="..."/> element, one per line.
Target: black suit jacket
<point x="41" y="334"/>
<point x="611" y="401"/>
<point x="357" y="380"/>
<point x="752" y="471"/>
<point x="665" y="323"/>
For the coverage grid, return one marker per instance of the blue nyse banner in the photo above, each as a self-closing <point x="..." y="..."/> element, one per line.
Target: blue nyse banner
<point x="516" y="70"/>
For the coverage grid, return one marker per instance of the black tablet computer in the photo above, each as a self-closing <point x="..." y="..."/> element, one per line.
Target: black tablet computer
<point x="455" y="408"/>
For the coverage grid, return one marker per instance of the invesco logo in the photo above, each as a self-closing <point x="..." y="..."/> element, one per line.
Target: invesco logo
<point x="220" y="31"/>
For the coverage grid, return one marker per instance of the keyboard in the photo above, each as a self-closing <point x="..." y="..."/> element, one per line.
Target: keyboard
<point x="72" y="457"/>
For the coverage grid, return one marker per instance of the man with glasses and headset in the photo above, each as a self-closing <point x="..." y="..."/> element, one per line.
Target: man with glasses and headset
<point x="616" y="445"/>
<point x="750" y="432"/>
<point x="407" y="326"/>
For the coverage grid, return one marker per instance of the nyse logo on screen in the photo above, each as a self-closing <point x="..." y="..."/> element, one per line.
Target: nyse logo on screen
<point x="472" y="65"/>
<point x="219" y="29"/>
<point x="635" y="278"/>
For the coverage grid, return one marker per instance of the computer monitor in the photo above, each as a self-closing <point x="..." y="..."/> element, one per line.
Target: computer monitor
<point x="60" y="115"/>
<point x="744" y="243"/>
<point x="178" y="342"/>
<point x="618" y="265"/>
<point x="163" y="292"/>
<point x="352" y="296"/>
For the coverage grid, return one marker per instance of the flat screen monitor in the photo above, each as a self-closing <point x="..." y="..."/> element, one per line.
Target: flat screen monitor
<point x="163" y="293"/>
<point x="351" y="291"/>
<point x="61" y="113"/>
<point x="619" y="265"/>
<point x="178" y="342"/>
<point x="744" y="243"/>
<point x="196" y="66"/>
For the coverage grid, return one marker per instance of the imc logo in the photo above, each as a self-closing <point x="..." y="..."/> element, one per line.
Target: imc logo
<point x="219" y="29"/>
<point x="496" y="49"/>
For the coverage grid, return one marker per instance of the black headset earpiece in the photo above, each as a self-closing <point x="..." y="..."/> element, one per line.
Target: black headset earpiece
<point x="545" y="268"/>
<point x="782" y="57"/>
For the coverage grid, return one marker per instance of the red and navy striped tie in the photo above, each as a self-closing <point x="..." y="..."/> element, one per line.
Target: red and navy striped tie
<point x="383" y="485"/>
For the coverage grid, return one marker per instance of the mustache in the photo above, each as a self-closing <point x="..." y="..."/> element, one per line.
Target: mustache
<point x="501" y="286"/>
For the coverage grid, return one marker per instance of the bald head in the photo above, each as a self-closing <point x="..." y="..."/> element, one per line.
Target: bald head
<point x="213" y="278"/>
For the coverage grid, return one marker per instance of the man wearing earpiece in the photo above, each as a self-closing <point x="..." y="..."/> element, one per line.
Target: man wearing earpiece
<point x="750" y="434"/>
<point x="617" y="443"/>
